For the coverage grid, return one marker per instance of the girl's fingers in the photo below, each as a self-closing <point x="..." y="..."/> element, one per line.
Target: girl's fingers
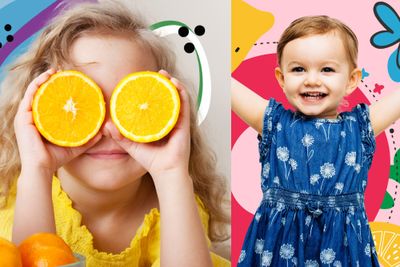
<point x="165" y="73"/>
<point x="26" y="101"/>
<point x="184" y="116"/>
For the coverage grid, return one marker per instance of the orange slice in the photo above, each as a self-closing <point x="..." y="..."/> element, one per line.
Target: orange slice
<point x="145" y="106"/>
<point x="68" y="109"/>
<point x="387" y="242"/>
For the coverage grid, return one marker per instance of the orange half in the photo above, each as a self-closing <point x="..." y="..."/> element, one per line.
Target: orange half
<point x="145" y="106"/>
<point x="68" y="109"/>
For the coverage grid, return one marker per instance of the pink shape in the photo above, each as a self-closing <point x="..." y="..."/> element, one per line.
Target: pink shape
<point x="241" y="220"/>
<point x="245" y="171"/>
<point x="391" y="215"/>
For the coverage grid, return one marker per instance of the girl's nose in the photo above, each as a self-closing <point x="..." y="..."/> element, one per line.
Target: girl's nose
<point x="312" y="79"/>
<point x="109" y="129"/>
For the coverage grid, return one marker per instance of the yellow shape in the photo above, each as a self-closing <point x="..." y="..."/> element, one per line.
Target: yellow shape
<point x="248" y="24"/>
<point x="387" y="241"/>
<point x="68" y="109"/>
<point x="145" y="106"/>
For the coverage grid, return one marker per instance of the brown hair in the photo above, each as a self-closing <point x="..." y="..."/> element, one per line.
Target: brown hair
<point x="313" y="25"/>
<point x="51" y="49"/>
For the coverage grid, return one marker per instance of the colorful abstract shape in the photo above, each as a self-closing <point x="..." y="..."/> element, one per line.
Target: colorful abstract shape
<point x="388" y="17"/>
<point x="248" y="24"/>
<point x="387" y="239"/>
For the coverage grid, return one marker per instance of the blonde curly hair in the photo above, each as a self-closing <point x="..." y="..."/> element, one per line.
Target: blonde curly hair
<point x="51" y="50"/>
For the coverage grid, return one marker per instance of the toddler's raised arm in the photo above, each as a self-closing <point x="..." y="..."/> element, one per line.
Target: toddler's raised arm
<point x="248" y="105"/>
<point x="385" y="112"/>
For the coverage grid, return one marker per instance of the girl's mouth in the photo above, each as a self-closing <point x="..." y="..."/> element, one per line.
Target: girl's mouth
<point x="313" y="96"/>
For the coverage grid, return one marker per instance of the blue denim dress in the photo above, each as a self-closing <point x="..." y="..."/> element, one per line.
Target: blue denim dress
<point x="313" y="178"/>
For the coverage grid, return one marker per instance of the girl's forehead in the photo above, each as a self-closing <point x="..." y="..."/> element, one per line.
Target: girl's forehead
<point x="111" y="50"/>
<point x="319" y="47"/>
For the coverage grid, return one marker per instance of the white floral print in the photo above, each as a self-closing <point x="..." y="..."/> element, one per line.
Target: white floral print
<point x="276" y="180"/>
<point x="314" y="179"/>
<point x="259" y="246"/>
<point x="343" y="134"/>
<point x="308" y="220"/>
<point x="357" y="168"/>
<point x="279" y="126"/>
<point x="270" y="125"/>
<point x="282" y="153"/>
<point x="339" y="187"/>
<point x="337" y="264"/>
<point x="257" y="216"/>
<point x="319" y="124"/>
<point x="266" y="169"/>
<point x="280" y="206"/>
<point x="294" y="260"/>
<point x="307" y="140"/>
<point x="350" y="158"/>
<point x="266" y="258"/>
<point x="242" y="256"/>
<point x="293" y="164"/>
<point x="311" y="263"/>
<point x="327" y="170"/>
<point x="286" y="252"/>
<point x="367" y="250"/>
<point x="327" y="256"/>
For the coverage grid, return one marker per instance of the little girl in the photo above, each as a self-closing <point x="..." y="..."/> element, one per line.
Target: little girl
<point x="314" y="161"/>
<point x="117" y="202"/>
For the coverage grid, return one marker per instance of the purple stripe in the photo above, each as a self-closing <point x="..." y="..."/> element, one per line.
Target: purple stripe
<point x="30" y="28"/>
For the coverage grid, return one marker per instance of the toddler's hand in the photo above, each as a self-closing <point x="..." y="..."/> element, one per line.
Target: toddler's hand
<point x="35" y="152"/>
<point x="170" y="154"/>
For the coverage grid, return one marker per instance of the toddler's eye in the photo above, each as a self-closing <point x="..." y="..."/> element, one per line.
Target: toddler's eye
<point x="328" y="69"/>
<point x="298" y="69"/>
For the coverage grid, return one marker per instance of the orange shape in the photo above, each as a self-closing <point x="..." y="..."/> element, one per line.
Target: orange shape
<point x="45" y="249"/>
<point x="145" y="106"/>
<point x="387" y="240"/>
<point x="9" y="254"/>
<point x="68" y="109"/>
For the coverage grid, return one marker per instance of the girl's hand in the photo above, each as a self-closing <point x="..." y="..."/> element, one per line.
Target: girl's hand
<point x="35" y="152"/>
<point x="170" y="154"/>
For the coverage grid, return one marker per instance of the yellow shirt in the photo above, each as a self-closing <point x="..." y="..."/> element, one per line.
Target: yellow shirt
<point x="144" y="249"/>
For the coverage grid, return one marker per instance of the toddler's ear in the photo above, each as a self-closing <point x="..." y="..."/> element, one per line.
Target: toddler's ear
<point x="354" y="80"/>
<point x="279" y="76"/>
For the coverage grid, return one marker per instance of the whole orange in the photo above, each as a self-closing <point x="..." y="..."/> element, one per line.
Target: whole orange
<point x="45" y="249"/>
<point x="9" y="254"/>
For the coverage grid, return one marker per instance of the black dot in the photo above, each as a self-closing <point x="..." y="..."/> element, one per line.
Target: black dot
<point x="199" y="30"/>
<point x="7" y="27"/>
<point x="10" y="38"/>
<point x="1" y="45"/>
<point x="189" y="48"/>
<point x="237" y="49"/>
<point x="183" y="31"/>
<point x="391" y="130"/>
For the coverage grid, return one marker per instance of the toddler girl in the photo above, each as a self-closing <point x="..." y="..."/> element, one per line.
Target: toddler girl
<point x="117" y="202"/>
<point x="314" y="160"/>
